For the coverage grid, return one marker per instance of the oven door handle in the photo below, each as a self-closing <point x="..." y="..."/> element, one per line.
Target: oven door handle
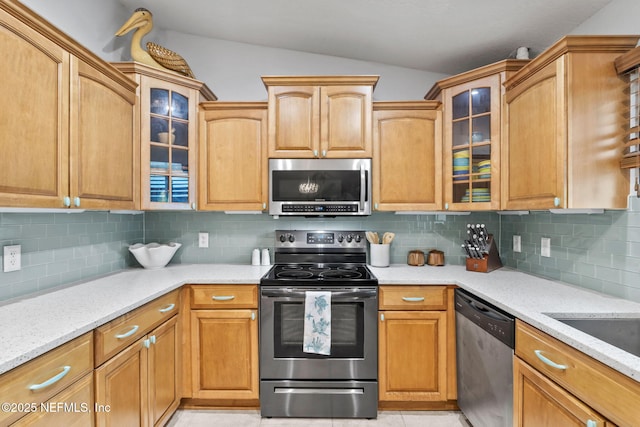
<point x="335" y="295"/>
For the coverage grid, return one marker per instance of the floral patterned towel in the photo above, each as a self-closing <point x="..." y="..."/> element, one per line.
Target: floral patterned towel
<point x="317" y="322"/>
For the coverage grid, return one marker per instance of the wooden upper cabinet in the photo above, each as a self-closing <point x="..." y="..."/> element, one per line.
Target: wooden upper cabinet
<point x="66" y="134"/>
<point x="167" y="131"/>
<point x="407" y="160"/>
<point x="472" y="133"/>
<point x="564" y="120"/>
<point x="320" y="116"/>
<point x="233" y="160"/>
<point x="103" y="156"/>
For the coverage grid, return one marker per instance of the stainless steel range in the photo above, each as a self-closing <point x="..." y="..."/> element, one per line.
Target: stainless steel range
<point x="318" y="328"/>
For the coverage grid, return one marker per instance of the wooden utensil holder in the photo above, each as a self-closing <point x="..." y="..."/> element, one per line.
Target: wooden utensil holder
<point x="488" y="262"/>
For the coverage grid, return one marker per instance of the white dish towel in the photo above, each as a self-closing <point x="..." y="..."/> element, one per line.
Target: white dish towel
<point x="317" y="322"/>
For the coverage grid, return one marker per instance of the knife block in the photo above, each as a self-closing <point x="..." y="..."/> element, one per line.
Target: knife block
<point x="488" y="262"/>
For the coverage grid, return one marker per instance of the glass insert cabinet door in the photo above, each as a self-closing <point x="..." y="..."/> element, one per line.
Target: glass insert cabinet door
<point x="471" y="139"/>
<point x="169" y="138"/>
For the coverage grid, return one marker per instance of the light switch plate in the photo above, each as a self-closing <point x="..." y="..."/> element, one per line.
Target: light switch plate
<point x="203" y="240"/>
<point x="517" y="243"/>
<point x="545" y="247"/>
<point x="12" y="258"/>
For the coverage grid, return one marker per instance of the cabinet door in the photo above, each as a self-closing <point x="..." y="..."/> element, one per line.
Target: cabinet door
<point x="345" y="120"/>
<point x="407" y="164"/>
<point x="233" y="161"/>
<point x="412" y="356"/>
<point x="294" y="121"/>
<point x="103" y="158"/>
<point x="535" y="156"/>
<point x="225" y="354"/>
<point x="168" y="144"/>
<point x="538" y="402"/>
<point x="34" y="120"/>
<point x="163" y="371"/>
<point x="121" y="383"/>
<point x="472" y="145"/>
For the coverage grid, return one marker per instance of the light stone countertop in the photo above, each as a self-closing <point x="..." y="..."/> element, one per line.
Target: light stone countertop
<point x="32" y="326"/>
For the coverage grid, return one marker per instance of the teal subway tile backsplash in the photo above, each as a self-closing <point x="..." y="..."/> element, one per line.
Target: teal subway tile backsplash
<point x="599" y="252"/>
<point x="233" y="237"/>
<point x="62" y="248"/>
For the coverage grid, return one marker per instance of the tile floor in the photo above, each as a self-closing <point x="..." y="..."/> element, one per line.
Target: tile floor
<point x="251" y="418"/>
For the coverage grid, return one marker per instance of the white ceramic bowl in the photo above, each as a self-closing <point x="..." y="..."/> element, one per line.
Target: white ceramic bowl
<point x="154" y="255"/>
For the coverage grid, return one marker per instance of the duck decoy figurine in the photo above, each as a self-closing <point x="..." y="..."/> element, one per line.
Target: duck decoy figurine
<point x="155" y="55"/>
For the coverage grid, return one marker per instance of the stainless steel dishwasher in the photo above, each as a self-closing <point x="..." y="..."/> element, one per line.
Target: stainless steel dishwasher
<point x="485" y="340"/>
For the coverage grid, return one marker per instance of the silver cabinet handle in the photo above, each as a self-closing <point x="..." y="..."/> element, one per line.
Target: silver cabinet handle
<point x="223" y="297"/>
<point x="253" y="316"/>
<point x="152" y="339"/>
<point x="413" y="299"/>
<point x="167" y="308"/>
<point x="324" y="153"/>
<point x="556" y="201"/>
<point x="591" y="423"/>
<point x="549" y="361"/>
<point x="146" y="343"/>
<point x="315" y="153"/>
<point x="76" y="202"/>
<point x="193" y="206"/>
<point x="52" y="380"/>
<point x="382" y="317"/>
<point x="66" y="201"/>
<point x="127" y="334"/>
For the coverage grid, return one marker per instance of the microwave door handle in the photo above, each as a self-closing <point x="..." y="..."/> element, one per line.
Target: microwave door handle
<point x="363" y="186"/>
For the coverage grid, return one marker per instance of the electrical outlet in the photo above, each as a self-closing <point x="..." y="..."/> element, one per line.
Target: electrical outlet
<point x="545" y="247"/>
<point x="12" y="258"/>
<point x="517" y="243"/>
<point x="203" y="240"/>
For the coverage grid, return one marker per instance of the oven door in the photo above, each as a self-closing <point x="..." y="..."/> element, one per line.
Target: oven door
<point x="354" y="335"/>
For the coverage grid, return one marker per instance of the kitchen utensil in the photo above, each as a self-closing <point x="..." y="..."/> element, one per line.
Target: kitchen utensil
<point x="387" y="237"/>
<point x="415" y="257"/>
<point x="435" y="257"/>
<point x="372" y="237"/>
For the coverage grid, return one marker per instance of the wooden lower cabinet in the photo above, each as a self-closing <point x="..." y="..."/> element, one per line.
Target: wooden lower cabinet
<point x="416" y="348"/>
<point x="539" y="402"/>
<point x="139" y="386"/>
<point x="225" y="354"/>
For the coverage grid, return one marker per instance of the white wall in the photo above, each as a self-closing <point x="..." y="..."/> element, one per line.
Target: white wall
<point x="618" y="17"/>
<point x="232" y="70"/>
<point x="90" y="22"/>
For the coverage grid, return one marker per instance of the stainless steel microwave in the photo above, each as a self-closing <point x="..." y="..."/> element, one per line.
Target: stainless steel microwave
<point x="320" y="187"/>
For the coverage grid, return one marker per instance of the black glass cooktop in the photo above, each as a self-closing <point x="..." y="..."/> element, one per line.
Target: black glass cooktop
<point x="281" y="273"/>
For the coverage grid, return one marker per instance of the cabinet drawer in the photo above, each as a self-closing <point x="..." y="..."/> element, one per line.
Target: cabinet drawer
<point x="413" y="298"/>
<point x="224" y="296"/>
<point x="611" y="393"/>
<point x="78" y="409"/>
<point x="114" y="336"/>
<point x="43" y="377"/>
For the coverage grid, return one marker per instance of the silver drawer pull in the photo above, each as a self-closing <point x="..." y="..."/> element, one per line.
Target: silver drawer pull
<point x="413" y="299"/>
<point x="167" y="308"/>
<point x="127" y="334"/>
<point x="223" y="297"/>
<point x="52" y="380"/>
<point x="549" y="361"/>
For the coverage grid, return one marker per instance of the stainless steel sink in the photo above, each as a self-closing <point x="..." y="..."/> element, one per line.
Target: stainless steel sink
<point x="623" y="333"/>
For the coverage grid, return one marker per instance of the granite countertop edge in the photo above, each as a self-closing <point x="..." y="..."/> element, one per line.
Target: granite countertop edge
<point x="43" y="322"/>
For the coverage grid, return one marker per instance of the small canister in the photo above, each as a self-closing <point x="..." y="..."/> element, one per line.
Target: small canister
<point x="435" y="257"/>
<point x="415" y="258"/>
<point x="266" y="259"/>
<point x="255" y="257"/>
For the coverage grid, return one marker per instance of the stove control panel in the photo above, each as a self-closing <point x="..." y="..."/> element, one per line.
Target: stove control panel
<point x="320" y="239"/>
